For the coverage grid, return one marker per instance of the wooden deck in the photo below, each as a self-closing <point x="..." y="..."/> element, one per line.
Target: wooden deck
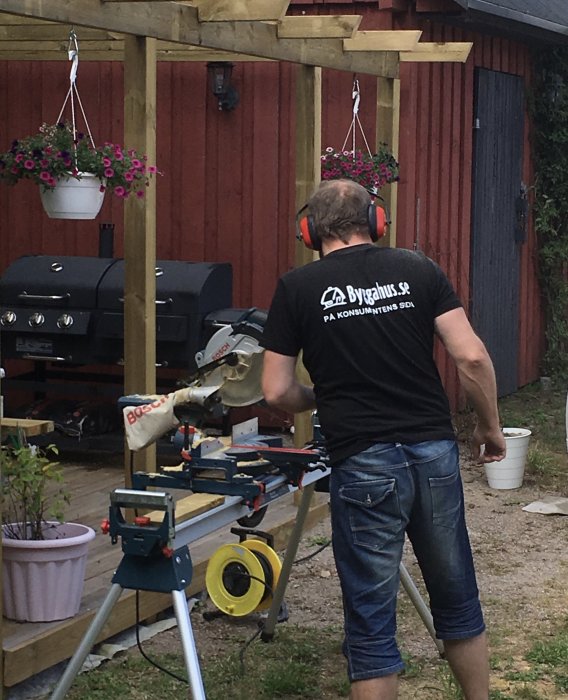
<point x="32" y="647"/>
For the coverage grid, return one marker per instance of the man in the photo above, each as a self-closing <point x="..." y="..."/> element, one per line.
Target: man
<point x="365" y="319"/>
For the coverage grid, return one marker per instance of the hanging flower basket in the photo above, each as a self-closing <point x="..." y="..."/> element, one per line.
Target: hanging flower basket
<point x="72" y="172"/>
<point x="371" y="170"/>
<point x="73" y="198"/>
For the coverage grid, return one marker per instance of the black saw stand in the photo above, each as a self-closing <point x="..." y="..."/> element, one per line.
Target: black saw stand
<point x="156" y="555"/>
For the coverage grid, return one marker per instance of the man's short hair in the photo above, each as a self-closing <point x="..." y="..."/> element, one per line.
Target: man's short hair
<point x="340" y="208"/>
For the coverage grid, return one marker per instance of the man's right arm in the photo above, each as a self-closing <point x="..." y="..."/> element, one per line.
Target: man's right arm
<point x="477" y="377"/>
<point x="281" y="387"/>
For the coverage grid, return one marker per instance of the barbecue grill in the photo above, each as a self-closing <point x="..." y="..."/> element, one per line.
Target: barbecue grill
<point x="70" y="309"/>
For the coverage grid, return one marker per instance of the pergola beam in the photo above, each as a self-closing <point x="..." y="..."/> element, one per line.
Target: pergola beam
<point x="116" y="53"/>
<point x="170" y="21"/>
<point x="231" y="10"/>
<point x="317" y="26"/>
<point x="397" y="40"/>
<point x="237" y="10"/>
<point x="455" y="51"/>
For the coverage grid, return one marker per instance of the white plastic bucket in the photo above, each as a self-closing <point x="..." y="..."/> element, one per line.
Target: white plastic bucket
<point x="509" y="473"/>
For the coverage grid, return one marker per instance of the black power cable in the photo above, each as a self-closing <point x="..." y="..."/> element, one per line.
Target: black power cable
<point x="174" y="675"/>
<point x="245" y="645"/>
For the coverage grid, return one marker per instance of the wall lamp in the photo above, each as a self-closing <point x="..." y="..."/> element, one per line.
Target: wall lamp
<point x="220" y="74"/>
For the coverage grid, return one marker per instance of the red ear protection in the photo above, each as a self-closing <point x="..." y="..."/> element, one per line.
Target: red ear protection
<point x="306" y="229"/>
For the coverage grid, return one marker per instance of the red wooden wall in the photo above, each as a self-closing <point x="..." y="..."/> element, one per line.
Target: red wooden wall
<point x="227" y="192"/>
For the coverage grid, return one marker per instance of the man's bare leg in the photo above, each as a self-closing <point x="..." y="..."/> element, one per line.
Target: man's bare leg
<point x="384" y="688"/>
<point x="469" y="661"/>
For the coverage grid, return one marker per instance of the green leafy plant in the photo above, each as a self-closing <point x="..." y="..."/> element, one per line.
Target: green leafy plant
<point x="371" y="170"/>
<point x="549" y="109"/>
<point x="57" y="152"/>
<point x="32" y="491"/>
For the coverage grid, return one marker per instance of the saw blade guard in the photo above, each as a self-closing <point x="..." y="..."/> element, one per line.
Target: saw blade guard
<point x="237" y="382"/>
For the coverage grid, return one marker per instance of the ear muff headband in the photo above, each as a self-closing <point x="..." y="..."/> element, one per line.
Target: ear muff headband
<point x="306" y="229"/>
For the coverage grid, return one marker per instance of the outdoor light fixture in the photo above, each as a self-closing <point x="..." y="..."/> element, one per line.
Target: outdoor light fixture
<point x="220" y="73"/>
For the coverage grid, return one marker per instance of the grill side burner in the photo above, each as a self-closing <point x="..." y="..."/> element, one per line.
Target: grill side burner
<point x="70" y="309"/>
<point x="48" y="307"/>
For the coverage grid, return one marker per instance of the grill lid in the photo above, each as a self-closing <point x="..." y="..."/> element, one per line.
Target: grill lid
<point x="183" y="288"/>
<point x="39" y="280"/>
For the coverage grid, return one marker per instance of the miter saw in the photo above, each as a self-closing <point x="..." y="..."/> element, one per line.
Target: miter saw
<point x="228" y="375"/>
<point x="229" y="368"/>
<point x="256" y="468"/>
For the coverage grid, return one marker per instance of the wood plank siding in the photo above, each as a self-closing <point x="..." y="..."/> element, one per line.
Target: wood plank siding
<point x="227" y="190"/>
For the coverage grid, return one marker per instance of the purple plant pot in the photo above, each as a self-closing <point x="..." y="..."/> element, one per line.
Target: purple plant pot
<point x="43" y="579"/>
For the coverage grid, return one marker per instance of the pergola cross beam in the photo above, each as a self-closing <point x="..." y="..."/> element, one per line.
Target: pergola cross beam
<point x="325" y="41"/>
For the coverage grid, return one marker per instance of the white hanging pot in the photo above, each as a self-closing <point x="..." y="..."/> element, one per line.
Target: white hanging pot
<point x="74" y="199"/>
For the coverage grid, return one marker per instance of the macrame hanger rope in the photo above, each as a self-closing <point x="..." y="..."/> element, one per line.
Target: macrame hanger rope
<point x="73" y="51"/>
<point x="356" y="96"/>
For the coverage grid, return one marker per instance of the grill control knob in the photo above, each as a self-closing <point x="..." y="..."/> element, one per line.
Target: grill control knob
<point x="8" y="318"/>
<point x="36" y="319"/>
<point x="65" y="321"/>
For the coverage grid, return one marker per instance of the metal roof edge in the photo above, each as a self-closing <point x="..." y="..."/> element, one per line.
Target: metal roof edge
<point x="485" y="7"/>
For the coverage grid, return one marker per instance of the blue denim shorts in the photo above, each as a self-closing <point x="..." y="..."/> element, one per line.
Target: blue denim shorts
<point x="376" y="497"/>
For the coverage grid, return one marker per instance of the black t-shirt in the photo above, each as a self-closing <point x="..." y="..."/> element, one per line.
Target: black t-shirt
<point x="364" y="318"/>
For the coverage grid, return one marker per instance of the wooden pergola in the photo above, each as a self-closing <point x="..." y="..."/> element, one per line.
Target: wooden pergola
<point x="142" y="32"/>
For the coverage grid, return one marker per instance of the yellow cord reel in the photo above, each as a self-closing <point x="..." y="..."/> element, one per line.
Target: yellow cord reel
<point x="241" y="578"/>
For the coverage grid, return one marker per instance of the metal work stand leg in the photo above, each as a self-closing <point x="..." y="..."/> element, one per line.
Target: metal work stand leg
<point x="421" y="607"/>
<point x="87" y="643"/>
<point x="289" y="557"/>
<point x="184" y="624"/>
<point x="291" y="551"/>
<point x="188" y="645"/>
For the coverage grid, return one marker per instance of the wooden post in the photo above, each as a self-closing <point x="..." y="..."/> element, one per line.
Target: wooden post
<point x="308" y="152"/>
<point x="140" y="233"/>
<point x="388" y="129"/>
